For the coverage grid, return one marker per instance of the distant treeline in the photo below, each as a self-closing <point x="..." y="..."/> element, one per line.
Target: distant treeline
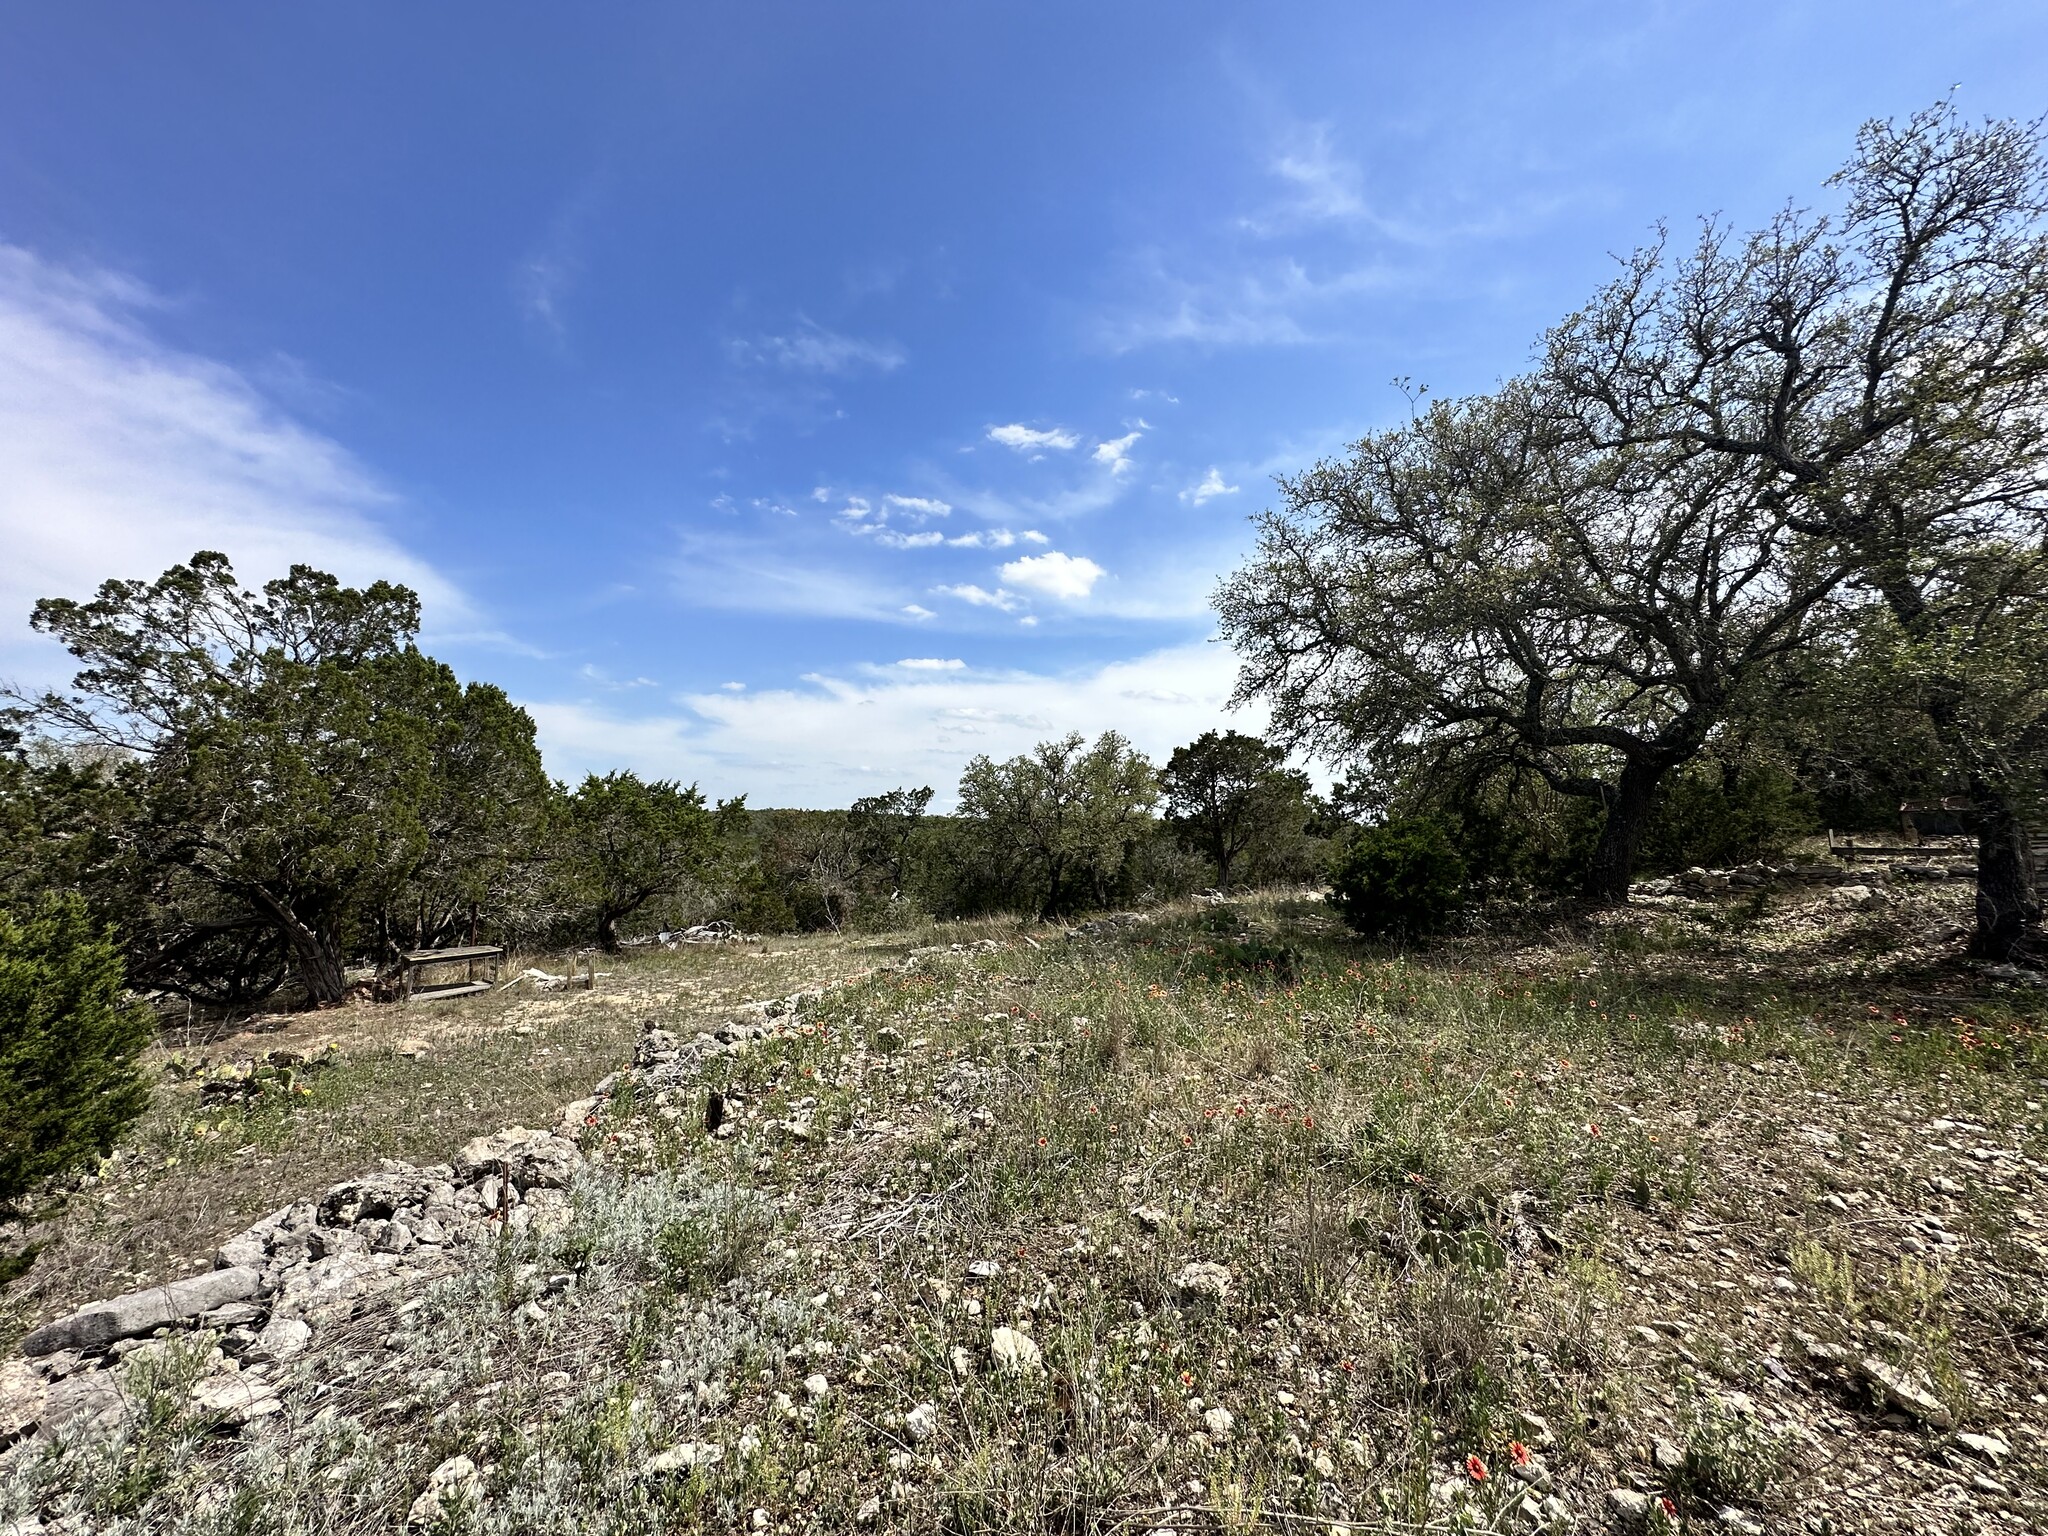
<point x="255" y="789"/>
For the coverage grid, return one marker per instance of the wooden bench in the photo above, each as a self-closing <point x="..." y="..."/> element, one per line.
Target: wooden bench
<point x="467" y="955"/>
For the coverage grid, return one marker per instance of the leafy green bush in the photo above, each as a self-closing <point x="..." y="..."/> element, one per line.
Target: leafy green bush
<point x="1719" y="812"/>
<point x="1403" y="878"/>
<point x="69" y="1081"/>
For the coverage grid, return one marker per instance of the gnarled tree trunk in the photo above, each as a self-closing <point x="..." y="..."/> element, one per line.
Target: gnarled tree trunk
<point x="1621" y="835"/>
<point x="2006" y="902"/>
<point x="314" y="947"/>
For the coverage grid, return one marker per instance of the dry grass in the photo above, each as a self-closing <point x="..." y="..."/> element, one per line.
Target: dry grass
<point x="1568" y="1199"/>
<point x="190" y="1177"/>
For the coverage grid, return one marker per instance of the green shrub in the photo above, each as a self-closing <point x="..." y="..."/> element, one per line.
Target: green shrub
<point x="69" y="1080"/>
<point x="1403" y="878"/>
<point x="1721" y="812"/>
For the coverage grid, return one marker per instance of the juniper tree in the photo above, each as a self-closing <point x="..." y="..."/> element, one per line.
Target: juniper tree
<point x="286" y="758"/>
<point x="1229" y="795"/>
<point x="1067" y="813"/>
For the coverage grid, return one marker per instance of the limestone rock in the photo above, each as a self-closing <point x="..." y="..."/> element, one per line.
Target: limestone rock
<point x="22" y="1391"/>
<point x="533" y="1159"/>
<point x="1014" y="1352"/>
<point x="236" y="1397"/>
<point x="1991" y="1448"/>
<point x="455" y="1482"/>
<point x="99" y="1324"/>
<point x="1630" y="1508"/>
<point x="681" y="1460"/>
<point x="1202" y="1281"/>
<point x="281" y="1338"/>
<point x="92" y="1399"/>
<point x="922" y="1421"/>
<point x="1905" y="1392"/>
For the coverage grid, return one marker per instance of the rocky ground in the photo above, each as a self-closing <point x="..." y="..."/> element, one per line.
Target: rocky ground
<point x="1727" y="1214"/>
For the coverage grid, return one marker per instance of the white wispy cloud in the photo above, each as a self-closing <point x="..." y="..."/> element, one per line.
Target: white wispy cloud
<point x="1325" y="186"/>
<point x="1276" y="303"/>
<point x="931" y="664"/>
<point x="1115" y="452"/>
<point x="714" y="570"/>
<point x="1066" y="577"/>
<point x="1210" y="485"/>
<point x="917" y="506"/>
<point x="121" y="455"/>
<point x="1029" y="439"/>
<point x="839" y="737"/>
<point x="538" y="283"/>
<point x="996" y="538"/>
<point x="981" y="597"/>
<point x="810" y="348"/>
<point x="918" y="611"/>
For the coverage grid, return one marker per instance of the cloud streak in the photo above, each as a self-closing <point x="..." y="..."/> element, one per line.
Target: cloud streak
<point x="809" y="348"/>
<point x="1025" y="439"/>
<point x="121" y="455"/>
<point x="836" y="738"/>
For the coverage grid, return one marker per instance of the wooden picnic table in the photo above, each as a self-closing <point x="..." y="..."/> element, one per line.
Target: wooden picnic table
<point x="467" y="955"/>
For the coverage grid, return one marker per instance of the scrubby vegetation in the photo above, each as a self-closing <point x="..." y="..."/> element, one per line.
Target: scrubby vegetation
<point x="1053" y="1179"/>
<point x="1140" y="1229"/>
<point x="69" y="1039"/>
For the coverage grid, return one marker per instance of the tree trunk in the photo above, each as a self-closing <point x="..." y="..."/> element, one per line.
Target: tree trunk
<point x="1050" y="912"/>
<point x="608" y="931"/>
<point x="315" y="951"/>
<point x="2006" y="903"/>
<point x="1628" y="817"/>
<point x="318" y="962"/>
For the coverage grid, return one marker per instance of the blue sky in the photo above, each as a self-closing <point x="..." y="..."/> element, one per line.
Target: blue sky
<point x="800" y="398"/>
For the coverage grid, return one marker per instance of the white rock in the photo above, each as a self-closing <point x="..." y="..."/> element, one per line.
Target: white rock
<point x="1013" y="1351"/>
<point x="922" y="1421"/>
<point x="1204" y="1281"/>
<point x="1630" y="1507"/>
<point x="236" y="1397"/>
<point x="1991" y="1447"/>
<point x="869" y="1512"/>
<point x="1894" y="1386"/>
<point x="1218" y="1422"/>
<point x="816" y="1387"/>
<point x="455" y="1481"/>
<point x="21" y="1399"/>
<point x="1150" y="1217"/>
<point x="682" y="1459"/>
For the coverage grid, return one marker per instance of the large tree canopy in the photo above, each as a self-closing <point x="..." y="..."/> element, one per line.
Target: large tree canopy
<point x="627" y="841"/>
<point x="1481" y="582"/>
<point x="1229" y="796"/>
<point x="1882" y="376"/>
<point x="1067" y="813"/>
<point x="293" y="768"/>
<point x="1713" y="464"/>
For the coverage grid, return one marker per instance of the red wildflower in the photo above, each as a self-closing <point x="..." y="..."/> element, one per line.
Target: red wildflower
<point x="1670" y="1509"/>
<point x="1520" y="1452"/>
<point x="1475" y="1469"/>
